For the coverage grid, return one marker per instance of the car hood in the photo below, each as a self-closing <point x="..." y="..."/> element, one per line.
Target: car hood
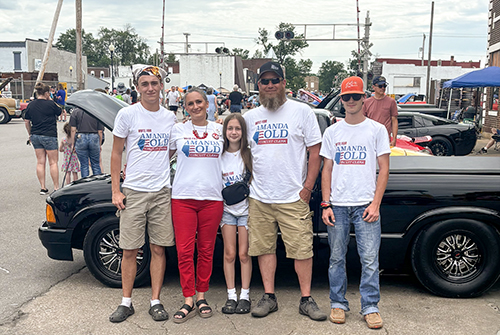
<point x="100" y="105"/>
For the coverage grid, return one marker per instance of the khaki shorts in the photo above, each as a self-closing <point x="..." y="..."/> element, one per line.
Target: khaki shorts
<point x="143" y="210"/>
<point x="294" y="221"/>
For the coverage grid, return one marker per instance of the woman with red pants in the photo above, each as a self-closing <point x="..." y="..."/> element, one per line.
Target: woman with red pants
<point x="196" y="201"/>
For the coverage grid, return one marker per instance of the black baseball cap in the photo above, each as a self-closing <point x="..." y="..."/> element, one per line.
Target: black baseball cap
<point x="379" y="80"/>
<point x="271" y="67"/>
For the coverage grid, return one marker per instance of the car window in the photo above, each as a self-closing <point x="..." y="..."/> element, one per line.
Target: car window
<point x="323" y="121"/>
<point x="405" y="122"/>
<point x="420" y="122"/>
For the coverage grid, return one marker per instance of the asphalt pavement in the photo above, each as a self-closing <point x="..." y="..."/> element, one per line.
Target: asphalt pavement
<point x="44" y="296"/>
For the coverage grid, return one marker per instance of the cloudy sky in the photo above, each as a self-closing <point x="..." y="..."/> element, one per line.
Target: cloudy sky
<point x="460" y="28"/>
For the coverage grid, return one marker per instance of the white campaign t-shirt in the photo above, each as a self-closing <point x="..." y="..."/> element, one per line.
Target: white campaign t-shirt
<point x="354" y="150"/>
<point x="172" y="98"/>
<point x="198" y="173"/>
<point x="278" y="140"/>
<point x="147" y="141"/>
<point x="233" y="170"/>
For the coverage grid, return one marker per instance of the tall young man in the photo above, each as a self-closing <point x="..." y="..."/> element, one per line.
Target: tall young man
<point x="352" y="194"/>
<point x="280" y="133"/>
<point x="144" y="129"/>
<point x="382" y="108"/>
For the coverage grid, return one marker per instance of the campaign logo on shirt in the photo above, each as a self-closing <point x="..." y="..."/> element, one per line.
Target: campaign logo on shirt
<point x="350" y="154"/>
<point x="201" y="148"/>
<point x="231" y="178"/>
<point x="270" y="133"/>
<point x="150" y="141"/>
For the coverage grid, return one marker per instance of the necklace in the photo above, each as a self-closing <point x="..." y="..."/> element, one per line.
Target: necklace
<point x="195" y="133"/>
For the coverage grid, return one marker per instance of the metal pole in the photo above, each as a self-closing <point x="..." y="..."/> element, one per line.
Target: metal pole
<point x="49" y="42"/>
<point x="79" y="81"/>
<point x="162" y="60"/>
<point x="112" y="75"/>
<point x="449" y="102"/>
<point x="423" y="48"/>
<point x="359" y="36"/>
<point x="187" y="43"/>
<point x="428" y="80"/>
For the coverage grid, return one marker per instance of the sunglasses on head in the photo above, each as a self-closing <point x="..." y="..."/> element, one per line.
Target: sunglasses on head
<point x="354" y="96"/>
<point x="274" y="81"/>
<point x="382" y="86"/>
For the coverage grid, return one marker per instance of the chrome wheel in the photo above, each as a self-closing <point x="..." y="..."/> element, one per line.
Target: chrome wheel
<point x="110" y="253"/>
<point x="458" y="256"/>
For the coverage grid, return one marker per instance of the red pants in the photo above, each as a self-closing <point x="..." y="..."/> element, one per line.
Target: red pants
<point x="195" y="221"/>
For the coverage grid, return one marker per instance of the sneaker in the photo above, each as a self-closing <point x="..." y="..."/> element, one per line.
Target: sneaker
<point x="265" y="306"/>
<point x="44" y="191"/>
<point x="311" y="309"/>
<point x="337" y="315"/>
<point x="483" y="151"/>
<point x="374" y="320"/>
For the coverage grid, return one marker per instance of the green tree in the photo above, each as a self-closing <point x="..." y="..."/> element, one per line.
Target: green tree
<point x="171" y="58"/>
<point x="258" y="54"/>
<point x="130" y="48"/>
<point x="330" y="72"/>
<point x="240" y="52"/>
<point x="283" y="48"/>
<point x="67" y="41"/>
<point x="295" y="72"/>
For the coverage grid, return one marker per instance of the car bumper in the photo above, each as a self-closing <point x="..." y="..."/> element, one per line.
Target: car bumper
<point x="57" y="242"/>
<point x="18" y="112"/>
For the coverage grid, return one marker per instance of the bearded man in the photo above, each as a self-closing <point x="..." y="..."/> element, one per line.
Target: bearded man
<point x="280" y="133"/>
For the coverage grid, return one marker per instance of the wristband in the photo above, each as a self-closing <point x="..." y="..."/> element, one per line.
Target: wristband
<point x="308" y="189"/>
<point x="325" y="205"/>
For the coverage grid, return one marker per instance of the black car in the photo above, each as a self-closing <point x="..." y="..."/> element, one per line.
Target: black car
<point x="440" y="220"/>
<point x="448" y="137"/>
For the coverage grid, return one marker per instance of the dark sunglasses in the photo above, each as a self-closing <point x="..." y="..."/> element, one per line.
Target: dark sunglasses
<point x="274" y="81"/>
<point x="382" y="86"/>
<point x="354" y="96"/>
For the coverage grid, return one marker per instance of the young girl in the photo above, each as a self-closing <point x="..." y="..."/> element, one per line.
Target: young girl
<point x="236" y="160"/>
<point x="74" y="165"/>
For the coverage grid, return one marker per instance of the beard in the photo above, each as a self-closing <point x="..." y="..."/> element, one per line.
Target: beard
<point x="273" y="101"/>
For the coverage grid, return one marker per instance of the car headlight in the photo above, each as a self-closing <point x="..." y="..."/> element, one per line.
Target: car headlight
<point x="49" y="214"/>
<point x="18" y="104"/>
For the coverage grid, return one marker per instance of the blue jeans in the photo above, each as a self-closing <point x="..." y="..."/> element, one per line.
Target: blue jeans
<point x="235" y="109"/>
<point x="368" y="242"/>
<point x="87" y="147"/>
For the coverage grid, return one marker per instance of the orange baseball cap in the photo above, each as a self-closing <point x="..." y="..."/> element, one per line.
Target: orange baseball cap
<point x="352" y="85"/>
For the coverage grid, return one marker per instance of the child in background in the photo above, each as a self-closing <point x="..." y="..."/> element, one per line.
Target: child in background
<point x="65" y="147"/>
<point x="236" y="161"/>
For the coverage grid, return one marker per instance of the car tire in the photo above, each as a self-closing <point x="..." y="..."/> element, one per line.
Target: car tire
<point x="103" y="255"/>
<point x="4" y="116"/>
<point x="457" y="258"/>
<point x="441" y="146"/>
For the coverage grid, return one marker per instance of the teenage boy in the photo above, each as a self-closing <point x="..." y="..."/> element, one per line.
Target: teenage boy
<point x="352" y="194"/>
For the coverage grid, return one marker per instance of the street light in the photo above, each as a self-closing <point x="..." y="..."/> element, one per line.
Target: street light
<point x="112" y="49"/>
<point x="220" y="80"/>
<point x="70" y="71"/>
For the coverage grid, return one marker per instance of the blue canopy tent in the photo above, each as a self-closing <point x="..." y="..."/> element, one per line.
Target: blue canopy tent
<point x="487" y="77"/>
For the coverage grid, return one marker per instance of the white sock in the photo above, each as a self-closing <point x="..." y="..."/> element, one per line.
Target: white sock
<point x="245" y="294"/>
<point x="231" y="294"/>
<point x="126" y="302"/>
<point x="155" y="302"/>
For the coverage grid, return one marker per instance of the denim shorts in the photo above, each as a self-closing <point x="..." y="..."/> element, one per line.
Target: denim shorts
<point x="231" y="220"/>
<point x="44" y="142"/>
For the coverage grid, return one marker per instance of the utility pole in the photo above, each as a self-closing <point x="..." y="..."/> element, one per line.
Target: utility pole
<point x="428" y="79"/>
<point x="359" y="36"/>
<point x="49" y="42"/>
<point x="366" y="51"/>
<point x="79" y="72"/>
<point x="187" y="43"/>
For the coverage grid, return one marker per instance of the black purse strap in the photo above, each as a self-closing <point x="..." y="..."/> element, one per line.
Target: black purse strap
<point x="246" y="179"/>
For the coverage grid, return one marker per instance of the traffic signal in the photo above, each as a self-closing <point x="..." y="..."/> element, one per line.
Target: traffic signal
<point x="222" y="50"/>
<point x="287" y="35"/>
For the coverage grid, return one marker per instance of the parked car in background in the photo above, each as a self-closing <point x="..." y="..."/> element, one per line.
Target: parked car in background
<point x="448" y="137"/>
<point x="412" y="98"/>
<point x="440" y="219"/>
